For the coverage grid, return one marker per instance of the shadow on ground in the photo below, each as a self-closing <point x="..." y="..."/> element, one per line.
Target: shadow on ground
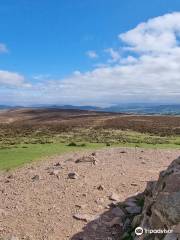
<point x="99" y="230"/>
<point x="111" y="225"/>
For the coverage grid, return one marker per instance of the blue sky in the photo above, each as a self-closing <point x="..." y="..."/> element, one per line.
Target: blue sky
<point x="74" y="52"/>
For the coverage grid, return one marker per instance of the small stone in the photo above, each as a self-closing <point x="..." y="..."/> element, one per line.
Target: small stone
<point x="73" y="175"/>
<point x="95" y="162"/>
<point x="35" y="178"/>
<point x="83" y="217"/>
<point x="117" y="212"/>
<point x="133" y="210"/>
<point x="57" y="164"/>
<point x="122" y="151"/>
<point x="6" y="181"/>
<point x="55" y="172"/>
<point x="114" y="197"/>
<point x="134" y="184"/>
<point x="82" y="206"/>
<point x="100" y="187"/>
<point x="10" y="176"/>
<point x="107" y="207"/>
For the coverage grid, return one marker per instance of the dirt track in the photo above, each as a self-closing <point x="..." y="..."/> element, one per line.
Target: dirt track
<point x="43" y="208"/>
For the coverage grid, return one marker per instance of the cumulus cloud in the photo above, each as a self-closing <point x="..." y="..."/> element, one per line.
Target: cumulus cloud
<point x="149" y="71"/>
<point x="158" y="35"/>
<point x="3" y="48"/>
<point x="12" y="79"/>
<point x="92" y="54"/>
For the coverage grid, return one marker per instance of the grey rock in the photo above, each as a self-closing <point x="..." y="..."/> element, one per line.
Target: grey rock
<point x="171" y="236"/>
<point x="133" y="210"/>
<point x="161" y="205"/>
<point x="118" y="212"/>
<point x="115" y="221"/>
<point x="73" y="175"/>
<point x="84" y="217"/>
<point x="130" y="203"/>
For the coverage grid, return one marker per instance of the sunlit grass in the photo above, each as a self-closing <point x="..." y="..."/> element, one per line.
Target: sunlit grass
<point x="17" y="151"/>
<point x="21" y="154"/>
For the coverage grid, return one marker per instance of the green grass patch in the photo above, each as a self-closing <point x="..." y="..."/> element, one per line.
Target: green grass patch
<point x="20" y="155"/>
<point x="19" y="148"/>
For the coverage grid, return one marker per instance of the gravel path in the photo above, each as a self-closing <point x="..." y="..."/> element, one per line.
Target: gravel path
<point x="42" y="201"/>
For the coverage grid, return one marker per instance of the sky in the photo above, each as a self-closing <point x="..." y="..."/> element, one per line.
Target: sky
<point x="89" y="52"/>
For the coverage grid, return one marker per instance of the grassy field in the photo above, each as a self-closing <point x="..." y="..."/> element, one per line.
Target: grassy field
<point x="20" y="155"/>
<point x="27" y="150"/>
<point x="37" y="134"/>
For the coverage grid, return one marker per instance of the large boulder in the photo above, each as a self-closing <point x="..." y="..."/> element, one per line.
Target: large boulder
<point x="160" y="216"/>
<point x="162" y="204"/>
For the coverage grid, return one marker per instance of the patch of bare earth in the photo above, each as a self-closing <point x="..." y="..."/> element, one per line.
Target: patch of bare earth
<point x="67" y="197"/>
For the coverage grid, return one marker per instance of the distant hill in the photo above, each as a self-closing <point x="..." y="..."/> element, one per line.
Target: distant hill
<point x="146" y="109"/>
<point x="142" y="108"/>
<point x="4" y="107"/>
<point x="88" y="108"/>
<point x="168" y="109"/>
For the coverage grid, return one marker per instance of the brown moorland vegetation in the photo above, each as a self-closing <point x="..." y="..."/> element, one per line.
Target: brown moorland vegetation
<point x="60" y="120"/>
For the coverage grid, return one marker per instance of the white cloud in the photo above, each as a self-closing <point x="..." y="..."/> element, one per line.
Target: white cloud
<point x="148" y="72"/>
<point x="12" y="79"/>
<point x="3" y="48"/>
<point x="92" y="54"/>
<point x="115" y="55"/>
<point x="158" y="35"/>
